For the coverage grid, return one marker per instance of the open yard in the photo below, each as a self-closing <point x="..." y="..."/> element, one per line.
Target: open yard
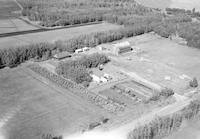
<point x="30" y="108"/>
<point x="51" y="36"/>
<point x="160" y="60"/>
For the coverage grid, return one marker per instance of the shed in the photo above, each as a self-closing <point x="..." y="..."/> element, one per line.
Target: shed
<point x="62" y="55"/>
<point x="85" y="49"/>
<point x="78" y="51"/>
<point x="96" y="78"/>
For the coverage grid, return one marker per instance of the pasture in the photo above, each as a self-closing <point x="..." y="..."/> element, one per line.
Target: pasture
<point x="52" y="36"/>
<point x="30" y="107"/>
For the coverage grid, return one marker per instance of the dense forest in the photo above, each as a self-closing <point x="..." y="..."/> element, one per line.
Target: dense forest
<point x="69" y="12"/>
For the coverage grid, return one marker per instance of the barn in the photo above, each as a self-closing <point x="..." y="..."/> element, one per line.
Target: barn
<point x="122" y="47"/>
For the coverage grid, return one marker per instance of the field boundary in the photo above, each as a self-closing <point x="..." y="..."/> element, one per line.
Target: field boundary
<point x="2" y="35"/>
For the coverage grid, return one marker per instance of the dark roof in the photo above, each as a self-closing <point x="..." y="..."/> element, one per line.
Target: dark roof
<point x="62" y="55"/>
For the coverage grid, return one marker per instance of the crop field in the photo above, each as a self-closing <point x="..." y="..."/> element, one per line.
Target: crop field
<point x="51" y="36"/>
<point x="30" y="108"/>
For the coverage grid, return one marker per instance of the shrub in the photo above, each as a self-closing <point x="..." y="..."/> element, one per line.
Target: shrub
<point x="166" y="92"/>
<point x="193" y="83"/>
<point x="78" y="74"/>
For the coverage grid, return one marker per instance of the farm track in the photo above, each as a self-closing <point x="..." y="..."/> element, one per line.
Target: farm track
<point x="10" y="34"/>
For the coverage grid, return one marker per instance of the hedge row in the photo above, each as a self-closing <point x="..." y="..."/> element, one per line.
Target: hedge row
<point x="99" y="100"/>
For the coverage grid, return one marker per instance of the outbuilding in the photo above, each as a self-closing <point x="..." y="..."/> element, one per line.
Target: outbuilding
<point x="85" y="49"/>
<point x="78" y="51"/>
<point x="62" y="55"/>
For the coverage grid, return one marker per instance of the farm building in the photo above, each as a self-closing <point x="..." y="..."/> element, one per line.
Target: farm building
<point x="85" y="49"/>
<point x="122" y="47"/>
<point x="62" y="55"/>
<point x="117" y="48"/>
<point x="78" y="51"/>
<point x="99" y="79"/>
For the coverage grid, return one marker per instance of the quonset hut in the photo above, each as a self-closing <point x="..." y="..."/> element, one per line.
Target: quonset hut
<point x="122" y="47"/>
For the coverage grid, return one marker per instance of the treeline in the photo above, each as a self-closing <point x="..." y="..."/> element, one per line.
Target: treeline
<point x="176" y="11"/>
<point x="14" y="56"/>
<point x="94" y="39"/>
<point x="19" y="54"/>
<point x="67" y="12"/>
<point x="158" y="128"/>
<point x="163" y="126"/>
<point x="77" y="69"/>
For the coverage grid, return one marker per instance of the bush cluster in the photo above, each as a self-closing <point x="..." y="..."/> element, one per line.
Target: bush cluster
<point x="193" y="83"/>
<point x="164" y="93"/>
<point x="76" y="69"/>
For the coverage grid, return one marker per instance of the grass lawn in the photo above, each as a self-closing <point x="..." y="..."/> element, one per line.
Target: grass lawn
<point x="51" y="36"/>
<point x="30" y="108"/>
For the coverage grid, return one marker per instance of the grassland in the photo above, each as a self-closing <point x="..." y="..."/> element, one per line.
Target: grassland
<point x="33" y="108"/>
<point x="51" y="36"/>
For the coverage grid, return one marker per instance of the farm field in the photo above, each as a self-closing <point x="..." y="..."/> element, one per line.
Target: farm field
<point x="9" y="21"/>
<point x="30" y="108"/>
<point x="51" y="36"/>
